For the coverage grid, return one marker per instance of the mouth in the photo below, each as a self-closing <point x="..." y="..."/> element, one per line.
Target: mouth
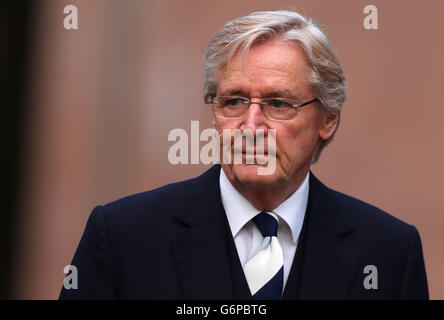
<point x="251" y="155"/>
<point x="252" y="151"/>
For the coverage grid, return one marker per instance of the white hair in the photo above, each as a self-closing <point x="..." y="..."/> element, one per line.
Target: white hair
<point x="326" y="79"/>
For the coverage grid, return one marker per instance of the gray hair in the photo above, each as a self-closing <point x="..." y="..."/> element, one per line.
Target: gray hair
<point x="326" y="79"/>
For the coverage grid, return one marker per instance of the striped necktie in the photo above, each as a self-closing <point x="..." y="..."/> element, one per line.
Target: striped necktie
<point x="264" y="269"/>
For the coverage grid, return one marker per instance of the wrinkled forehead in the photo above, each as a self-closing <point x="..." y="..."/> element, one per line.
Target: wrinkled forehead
<point x="271" y="66"/>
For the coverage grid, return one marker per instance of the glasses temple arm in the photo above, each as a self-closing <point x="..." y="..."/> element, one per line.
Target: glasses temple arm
<point x="305" y="103"/>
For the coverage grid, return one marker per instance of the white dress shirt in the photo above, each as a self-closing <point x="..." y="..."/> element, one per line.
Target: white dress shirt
<point x="247" y="236"/>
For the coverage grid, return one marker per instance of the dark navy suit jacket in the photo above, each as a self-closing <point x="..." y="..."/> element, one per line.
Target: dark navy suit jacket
<point x="175" y="243"/>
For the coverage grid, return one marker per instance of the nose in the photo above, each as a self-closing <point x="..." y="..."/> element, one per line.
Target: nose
<point x="254" y="118"/>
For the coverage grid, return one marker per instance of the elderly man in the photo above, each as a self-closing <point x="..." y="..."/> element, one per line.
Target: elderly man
<point x="233" y="233"/>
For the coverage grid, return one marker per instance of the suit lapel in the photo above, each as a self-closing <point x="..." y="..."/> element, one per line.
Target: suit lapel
<point x="201" y="251"/>
<point x="325" y="262"/>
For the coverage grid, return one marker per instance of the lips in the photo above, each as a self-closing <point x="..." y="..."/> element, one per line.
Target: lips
<point x="257" y="152"/>
<point x="251" y="151"/>
<point x="249" y="156"/>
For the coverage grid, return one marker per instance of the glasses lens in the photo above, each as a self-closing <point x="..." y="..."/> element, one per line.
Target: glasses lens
<point x="278" y="109"/>
<point x="230" y="107"/>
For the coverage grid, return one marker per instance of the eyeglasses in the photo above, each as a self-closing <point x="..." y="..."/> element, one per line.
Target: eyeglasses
<point x="234" y="107"/>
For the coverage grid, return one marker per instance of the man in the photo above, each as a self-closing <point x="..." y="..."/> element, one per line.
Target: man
<point x="233" y="233"/>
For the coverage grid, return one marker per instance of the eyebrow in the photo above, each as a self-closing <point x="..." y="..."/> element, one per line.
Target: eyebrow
<point x="271" y="94"/>
<point x="233" y="92"/>
<point x="283" y="94"/>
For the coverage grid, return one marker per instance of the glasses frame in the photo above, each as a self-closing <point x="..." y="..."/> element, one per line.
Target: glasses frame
<point x="211" y="100"/>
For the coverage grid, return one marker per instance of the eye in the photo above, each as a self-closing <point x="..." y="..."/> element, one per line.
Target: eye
<point x="234" y="101"/>
<point x="279" y="104"/>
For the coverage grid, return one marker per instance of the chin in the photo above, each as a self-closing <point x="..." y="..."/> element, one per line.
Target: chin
<point x="247" y="174"/>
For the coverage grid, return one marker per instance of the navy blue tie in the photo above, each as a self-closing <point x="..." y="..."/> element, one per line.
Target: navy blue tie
<point x="264" y="268"/>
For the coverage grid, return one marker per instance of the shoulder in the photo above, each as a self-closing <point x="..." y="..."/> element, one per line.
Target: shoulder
<point x="369" y="217"/>
<point x="365" y="213"/>
<point x="365" y="219"/>
<point x="378" y="238"/>
<point x="160" y="204"/>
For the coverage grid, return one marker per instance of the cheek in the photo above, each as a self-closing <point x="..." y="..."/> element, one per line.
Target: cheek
<point x="296" y="141"/>
<point x="221" y="124"/>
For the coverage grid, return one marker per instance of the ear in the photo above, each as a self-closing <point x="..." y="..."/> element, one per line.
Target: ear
<point x="329" y="124"/>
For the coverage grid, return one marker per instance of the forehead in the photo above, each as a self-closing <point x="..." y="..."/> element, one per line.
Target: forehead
<point x="272" y="66"/>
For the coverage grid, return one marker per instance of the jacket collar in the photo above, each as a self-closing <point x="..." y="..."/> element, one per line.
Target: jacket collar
<point x="325" y="260"/>
<point x="201" y="250"/>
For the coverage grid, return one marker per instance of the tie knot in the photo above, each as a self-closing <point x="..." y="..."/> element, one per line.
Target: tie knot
<point x="266" y="224"/>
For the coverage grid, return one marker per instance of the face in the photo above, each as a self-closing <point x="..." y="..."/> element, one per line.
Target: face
<point x="274" y="69"/>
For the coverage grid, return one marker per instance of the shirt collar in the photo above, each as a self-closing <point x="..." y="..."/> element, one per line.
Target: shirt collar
<point x="240" y="211"/>
<point x="292" y="210"/>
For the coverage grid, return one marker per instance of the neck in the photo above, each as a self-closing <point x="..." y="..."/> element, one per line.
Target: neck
<point x="268" y="197"/>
